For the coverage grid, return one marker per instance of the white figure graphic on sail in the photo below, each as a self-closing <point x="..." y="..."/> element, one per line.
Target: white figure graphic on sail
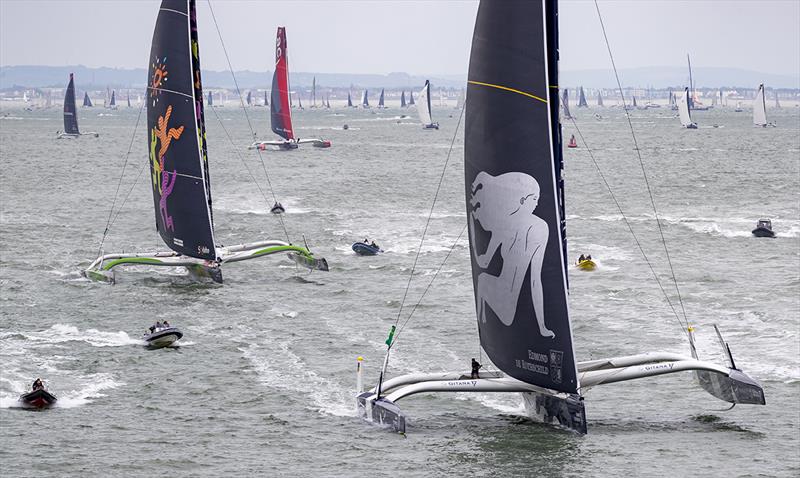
<point x="504" y="205"/>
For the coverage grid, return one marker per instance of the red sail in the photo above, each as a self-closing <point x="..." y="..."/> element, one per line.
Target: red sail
<point x="281" y="112"/>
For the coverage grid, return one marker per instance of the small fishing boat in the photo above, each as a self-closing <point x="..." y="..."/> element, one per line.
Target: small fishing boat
<point x="39" y="398"/>
<point x="586" y="265"/>
<point x="277" y="208"/>
<point x="572" y="143"/>
<point x="764" y="229"/>
<point x="365" y="249"/>
<point x="162" y="337"/>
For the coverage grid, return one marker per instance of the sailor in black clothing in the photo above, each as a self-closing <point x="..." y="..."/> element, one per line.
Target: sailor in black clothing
<point x="475" y="367"/>
<point x="37" y="384"/>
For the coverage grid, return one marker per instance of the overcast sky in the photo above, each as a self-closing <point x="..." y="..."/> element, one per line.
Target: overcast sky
<point x="433" y="37"/>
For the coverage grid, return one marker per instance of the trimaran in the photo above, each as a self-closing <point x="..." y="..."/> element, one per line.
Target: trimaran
<point x="280" y="107"/>
<point x="179" y="162"/>
<point x="71" y="113"/>
<point x="515" y="208"/>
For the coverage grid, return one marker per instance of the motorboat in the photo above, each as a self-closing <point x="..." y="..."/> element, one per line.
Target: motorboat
<point x="162" y="337"/>
<point x="764" y="229"/>
<point x="39" y="398"/>
<point x="277" y="208"/>
<point x="364" y="249"/>
<point x="586" y="265"/>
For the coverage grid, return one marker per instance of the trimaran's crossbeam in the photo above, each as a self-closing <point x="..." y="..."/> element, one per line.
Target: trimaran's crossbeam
<point x="290" y="143"/>
<point x="728" y="384"/>
<point x="102" y="269"/>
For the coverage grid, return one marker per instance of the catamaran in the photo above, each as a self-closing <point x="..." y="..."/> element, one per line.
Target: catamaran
<point x="280" y="107"/>
<point x="684" y="113"/>
<point x="516" y="221"/>
<point x="71" y="114"/>
<point x="179" y="163"/>
<point x="760" y="108"/>
<point x="424" y="107"/>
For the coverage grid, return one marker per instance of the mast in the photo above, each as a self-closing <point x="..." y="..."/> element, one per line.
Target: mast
<point x="565" y="104"/>
<point x="70" y="109"/>
<point x="691" y="82"/>
<point x="314" y="92"/>
<point x="514" y="192"/>
<point x="280" y="106"/>
<point x="176" y="129"/>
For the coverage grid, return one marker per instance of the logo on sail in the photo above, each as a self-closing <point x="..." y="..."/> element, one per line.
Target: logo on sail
<point x="556" y="359"/>
<point x="503" y="205"/>
<point x="163" y="180"/>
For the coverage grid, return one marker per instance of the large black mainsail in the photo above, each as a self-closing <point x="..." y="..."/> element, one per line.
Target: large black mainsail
<point x="515" y="193"/>
<point x="70" y="109"/>
<point x="176" y="126"/>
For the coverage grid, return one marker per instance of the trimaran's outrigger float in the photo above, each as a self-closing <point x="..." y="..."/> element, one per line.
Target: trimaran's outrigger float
<point x="515" y="206"/>
<point x="280" y="106"/>
<point x="179" y="162"/>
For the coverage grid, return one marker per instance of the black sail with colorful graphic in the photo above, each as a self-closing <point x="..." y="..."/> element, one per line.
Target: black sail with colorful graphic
<point x="176" y="132"/>
<point x="70" y="109"/>
<point x="514" y="193"/>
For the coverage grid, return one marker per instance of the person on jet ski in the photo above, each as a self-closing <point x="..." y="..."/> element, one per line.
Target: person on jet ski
<point x="581" y="258"/>
<point x="38" y="385"/>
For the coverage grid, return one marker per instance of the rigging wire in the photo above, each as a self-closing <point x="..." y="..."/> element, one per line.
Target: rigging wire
<point x="110" y="221"/>
<point x="249" y="125"/>
<point x="428" y="220"/>
<point x="641" y="164"/>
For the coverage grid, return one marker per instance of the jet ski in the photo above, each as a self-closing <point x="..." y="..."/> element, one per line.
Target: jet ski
<point x="364" y="249"/>
<point x="39" y="398"/>
<point x="162" y="337"/>
<point x="764" y="229"/>
<point x="277" y="208"/>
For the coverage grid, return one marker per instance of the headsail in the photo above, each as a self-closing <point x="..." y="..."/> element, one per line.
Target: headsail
<point x="70" y="109"/>
<point x="380" y="100"/>
<point x="402" y="99"/>
<point x="760" y="107"/>
<point x="280" y="108"/>
<point x="176" y="130"/>
<point x="683" y="109"/>
<point x="582" y="99"/>
<point x="515" y="194"/>
<point x="249" y="98"/>
<point x="424" y="108"/>
<point x="86" y="100"/>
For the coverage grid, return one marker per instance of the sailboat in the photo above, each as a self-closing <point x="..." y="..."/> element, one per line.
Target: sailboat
<point x="113" y="103"/>
<point x="582" y="99"/>
<point x="179" y="162"/>
<point x="760" y="109"/>
<point x="403" y="99"/>
<point x="280" y="107"/>
<point x="380" y="100"/>
<point x="410" y="97"/>
<point x="249" y="100"/>
<point x="684" y="113"/>
<point x="565" y="104"/>
<point x="599" y="98"/>
<point x="673" y="105"/>
<point x="365" y="98"/>
<point x="314" y="92"/>
<point x="516" y="218"/>
<point x="129" y="99"/>
<point x="328" y="101"/>
<point x="210" y="99"/>
<point x="71" y="114"/>
<point x="694" y="102"/>
<point x="424" y="108"/>
<point x="299" y="101"/>
<point x="777" y="101"/>
<point x="349" y="100"/>
<point x="87" y="102"/>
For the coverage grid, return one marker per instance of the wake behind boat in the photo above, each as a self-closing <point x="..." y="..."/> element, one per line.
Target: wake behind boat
<point x="179" y="163"/>
<point x="280" y="106"/>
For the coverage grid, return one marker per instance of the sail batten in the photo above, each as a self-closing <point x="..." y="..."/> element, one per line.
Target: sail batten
<point x="176" y="133"/>
<point x="514" y="193"/>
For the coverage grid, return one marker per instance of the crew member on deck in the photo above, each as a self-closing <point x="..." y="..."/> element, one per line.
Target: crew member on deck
<point x="475" y="367"/>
